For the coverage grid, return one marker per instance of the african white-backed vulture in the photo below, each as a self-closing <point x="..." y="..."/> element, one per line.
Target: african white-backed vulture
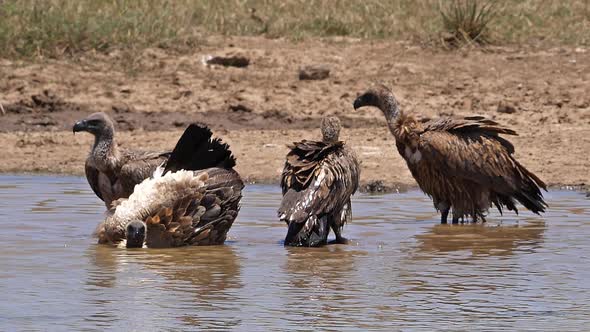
<point x="462" y="164"/>
<point x="193" y="200"/>
<point x="317" y="181"/>
<point x="111" y="171"/>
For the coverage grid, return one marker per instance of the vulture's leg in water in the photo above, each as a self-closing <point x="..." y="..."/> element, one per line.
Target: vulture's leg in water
<point x="319" y="235"/>
<point x="477" y="217"/>
<point x="444" y="212"/>
<point x="443" y="215"/>
<point x="339" y="238"/>
<point x="338" y="220"/>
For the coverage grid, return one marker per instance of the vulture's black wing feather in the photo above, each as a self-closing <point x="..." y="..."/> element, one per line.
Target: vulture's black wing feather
<point x="196" y="150"/>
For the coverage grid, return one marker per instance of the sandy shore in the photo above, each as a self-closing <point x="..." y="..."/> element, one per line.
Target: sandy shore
<point x="543" y="94"/>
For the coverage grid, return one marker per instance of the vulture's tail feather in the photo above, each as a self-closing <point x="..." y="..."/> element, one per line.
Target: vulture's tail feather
<point x="196" y="150"/>
<point x="528" y="190"/>
<point x="531" y="201"/>
<point x="504" y="201"/>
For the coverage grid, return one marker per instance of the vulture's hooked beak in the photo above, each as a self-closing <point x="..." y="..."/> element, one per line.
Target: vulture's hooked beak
<point x="360" y="101"/>
<point x="366" y="99"/>
<point x="80" y="126"/>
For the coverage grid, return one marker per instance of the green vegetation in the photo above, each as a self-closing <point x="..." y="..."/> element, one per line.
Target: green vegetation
<point x="56" y="27"/>
<point x="467" y="21"/>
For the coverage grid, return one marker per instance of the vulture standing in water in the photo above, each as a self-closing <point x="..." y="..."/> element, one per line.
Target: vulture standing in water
<point x="462" y="164"/>
<point x="112" y="172"/>
<point x="317" y="181"/>
<point x="192" y="200"/>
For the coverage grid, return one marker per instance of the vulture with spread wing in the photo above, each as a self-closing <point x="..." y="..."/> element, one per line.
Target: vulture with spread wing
<point x="317" y="181"/>
<point x="192" y="200"/>
<point x="462" y="164"/>
<point x="112" y="172"/>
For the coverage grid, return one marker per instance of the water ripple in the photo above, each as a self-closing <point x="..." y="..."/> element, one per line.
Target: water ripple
<point x="401" y="269"/>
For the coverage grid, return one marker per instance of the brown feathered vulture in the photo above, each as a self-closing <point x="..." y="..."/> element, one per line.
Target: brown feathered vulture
<point x="317" y="181"/>
<point x="463" y="164"/>
<point x="111" y="171"/>
<point x="192" y="200"/>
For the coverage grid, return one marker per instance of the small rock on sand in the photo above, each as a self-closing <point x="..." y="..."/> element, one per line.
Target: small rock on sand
<point x="230" y="60"/>
<point x="314" y="72"/>
<point x="506" y="108"/>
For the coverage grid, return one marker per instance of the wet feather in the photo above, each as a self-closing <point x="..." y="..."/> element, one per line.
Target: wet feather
<point x="461" y="163"/>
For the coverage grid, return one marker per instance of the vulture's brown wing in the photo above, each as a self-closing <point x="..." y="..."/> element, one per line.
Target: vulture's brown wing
<point x="330" y="182"/>
<point x="92" y="177"/>
<point x="346" y="178"/>
<point x="201" y="218"/>
<point x="469" y="124"/>
<point x="476" y="153"/>
<point x="477" y="125"/>
<point x="138" y="167"/>
<point x="302" y="163"/>
<point x="478" y="158"/>
<point x="471" y="148"/>
<point x="221" y="177"/>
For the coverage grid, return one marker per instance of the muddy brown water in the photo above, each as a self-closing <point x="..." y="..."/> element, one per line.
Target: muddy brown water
<point x="401" y="271"/>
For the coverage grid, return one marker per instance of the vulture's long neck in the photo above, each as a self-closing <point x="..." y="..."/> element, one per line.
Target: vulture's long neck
<point x="390" y="109"/>
<point x="105" y="150"/>
<point x="114" y="229"/>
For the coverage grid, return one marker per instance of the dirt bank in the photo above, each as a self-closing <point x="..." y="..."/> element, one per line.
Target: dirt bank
<point x="543" y="94"/>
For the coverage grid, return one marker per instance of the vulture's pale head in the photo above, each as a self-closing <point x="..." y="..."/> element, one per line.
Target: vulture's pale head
<point x="98" y="124"/>
<point x="330" y="128"/>
<point x="378" y="96"/>
<point x="135" y="234"/>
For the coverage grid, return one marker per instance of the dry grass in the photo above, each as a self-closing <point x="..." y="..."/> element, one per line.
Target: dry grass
<point x="56" y="27"/>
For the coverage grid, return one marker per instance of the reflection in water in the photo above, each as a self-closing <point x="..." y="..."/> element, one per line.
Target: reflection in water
<point x="321" y="284"/>
<point x="482" y="239"/>
<point x="323" y="269"/>
<point x="103" y="266"/>
<point x="192" y="276"/>
<point x="43" y="206"/>
<point x="401" y="271"/>
<point x="210" y="268"/>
